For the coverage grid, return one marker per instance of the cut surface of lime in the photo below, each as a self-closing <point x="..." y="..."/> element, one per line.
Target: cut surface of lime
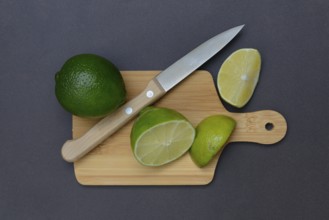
<point x="160" y="135"/>
<point x="238" y="76"/>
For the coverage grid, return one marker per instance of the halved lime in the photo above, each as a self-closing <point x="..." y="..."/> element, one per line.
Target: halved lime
<point x="160" y="135"/>
<point x="238" y="76"/>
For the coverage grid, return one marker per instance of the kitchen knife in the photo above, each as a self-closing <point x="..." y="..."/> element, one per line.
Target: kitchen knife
<point x="73" y="150"/>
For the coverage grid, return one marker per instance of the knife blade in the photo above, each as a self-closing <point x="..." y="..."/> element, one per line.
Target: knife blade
<point x="73" y="150"/>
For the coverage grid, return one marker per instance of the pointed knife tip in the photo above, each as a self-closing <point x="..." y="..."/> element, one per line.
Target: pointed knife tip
<point x="238" y="28"/>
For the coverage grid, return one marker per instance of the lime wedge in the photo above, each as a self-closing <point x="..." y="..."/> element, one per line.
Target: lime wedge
<point x="212" y="133"/>
<point x="160" y="135"/>
<point x="238" y="76"/>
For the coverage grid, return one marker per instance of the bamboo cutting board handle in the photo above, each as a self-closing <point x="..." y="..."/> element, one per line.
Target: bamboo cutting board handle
<point x="73" y="150"/>
<point x="263" y="127"/>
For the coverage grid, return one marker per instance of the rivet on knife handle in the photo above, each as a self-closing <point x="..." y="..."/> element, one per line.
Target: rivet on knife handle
<point x="72" y="150"/>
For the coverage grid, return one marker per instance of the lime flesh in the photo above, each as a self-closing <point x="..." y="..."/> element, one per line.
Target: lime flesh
<point x="238" y="76"/>
<point x="160" y="136"/>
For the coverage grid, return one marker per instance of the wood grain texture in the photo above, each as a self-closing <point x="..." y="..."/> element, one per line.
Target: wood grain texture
<point x="113" y="163"/>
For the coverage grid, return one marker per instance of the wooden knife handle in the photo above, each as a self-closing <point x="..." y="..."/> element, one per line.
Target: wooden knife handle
<point x="263" y="127"/>
<point x="72" y="150"/>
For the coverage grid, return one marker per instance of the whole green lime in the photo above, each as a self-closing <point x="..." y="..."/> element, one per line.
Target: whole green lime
<point x="89" y="85"/>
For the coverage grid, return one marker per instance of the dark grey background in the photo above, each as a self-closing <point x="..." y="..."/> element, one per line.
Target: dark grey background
<point x="288" y="180"/>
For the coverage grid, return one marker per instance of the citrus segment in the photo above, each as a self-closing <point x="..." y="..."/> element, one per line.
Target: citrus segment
<point x="212" y="134"/>
<point x="160" y="135"/>
<point x="238" y="76"/>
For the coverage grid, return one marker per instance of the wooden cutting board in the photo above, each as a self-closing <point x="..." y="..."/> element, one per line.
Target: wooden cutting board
<point x="113" y="163"/>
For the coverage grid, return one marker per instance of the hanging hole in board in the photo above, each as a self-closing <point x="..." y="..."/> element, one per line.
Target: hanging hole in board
<point x="269" y="126"/>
